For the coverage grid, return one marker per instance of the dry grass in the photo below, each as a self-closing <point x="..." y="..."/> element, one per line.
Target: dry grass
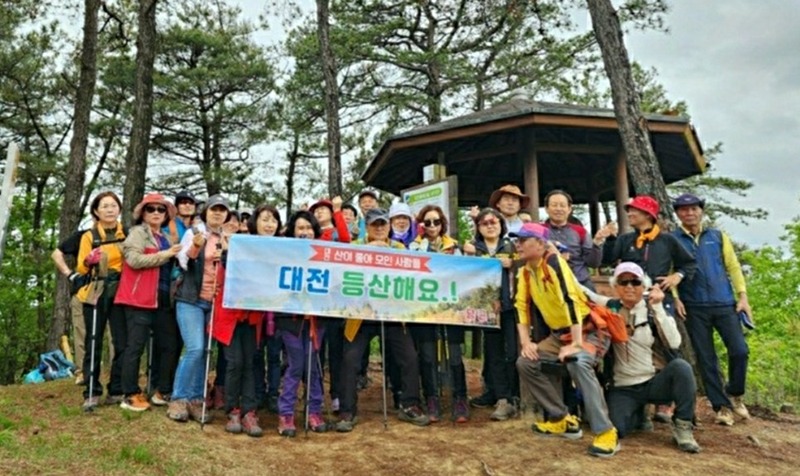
<point x="43" y="431"/>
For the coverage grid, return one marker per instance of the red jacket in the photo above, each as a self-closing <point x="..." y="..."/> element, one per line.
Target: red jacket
<point x="225" y="320"/>
<point x="339" y="232"/>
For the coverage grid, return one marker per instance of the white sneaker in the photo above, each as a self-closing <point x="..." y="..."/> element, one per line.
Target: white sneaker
<point x="724" y="416"/>
<point x="739" y="408"/>
<point x="503" y="410"/>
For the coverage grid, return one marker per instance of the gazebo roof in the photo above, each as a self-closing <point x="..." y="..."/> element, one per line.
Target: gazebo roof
<point x="576" y="149"/>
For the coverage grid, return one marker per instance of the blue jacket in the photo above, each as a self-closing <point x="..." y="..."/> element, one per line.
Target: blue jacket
<point x="710" y="285"/>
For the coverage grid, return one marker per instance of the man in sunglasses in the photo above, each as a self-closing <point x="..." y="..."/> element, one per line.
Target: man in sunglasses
<point x="711" y="300"/>
<point x="642" y="372"/>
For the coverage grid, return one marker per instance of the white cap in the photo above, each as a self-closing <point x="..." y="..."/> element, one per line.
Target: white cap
<point x="400" y="209"/>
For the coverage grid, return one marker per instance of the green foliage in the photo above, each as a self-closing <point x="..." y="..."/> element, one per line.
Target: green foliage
<point x="774" y="294"/>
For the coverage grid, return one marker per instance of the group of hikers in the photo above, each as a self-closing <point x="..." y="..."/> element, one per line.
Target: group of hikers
<point x="159" y="287"/>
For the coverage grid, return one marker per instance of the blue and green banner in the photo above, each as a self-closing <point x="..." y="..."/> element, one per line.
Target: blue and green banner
<point x="325" y="278"/>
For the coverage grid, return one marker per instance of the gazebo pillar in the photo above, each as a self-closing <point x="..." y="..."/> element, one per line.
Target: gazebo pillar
<point x="530" y="164"/>
<point x="594" y="212"/>
<point x="621" y="191"/>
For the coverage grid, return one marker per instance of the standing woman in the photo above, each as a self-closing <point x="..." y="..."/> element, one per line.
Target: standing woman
<point x="266" y="221"/>
<point x="298" y="333"/>
<point x="500" y="345"/>
<point x="147" y="247"/>
<point x="435" y="239"/>
<point x="100" y="254"/>
<point x="201" y="250"/>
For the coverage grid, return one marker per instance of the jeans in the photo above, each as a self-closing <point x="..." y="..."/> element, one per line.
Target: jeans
<point x="297" y="350"/>
<point x="240" y="391"/>
<point x="674" y="383"/>
<point x="700" y="324"/>
<point x="190" y="375"/>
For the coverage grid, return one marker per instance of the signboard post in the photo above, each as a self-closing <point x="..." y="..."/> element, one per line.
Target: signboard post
<point x="442" y="192"/>
<point x="7" y="193"/>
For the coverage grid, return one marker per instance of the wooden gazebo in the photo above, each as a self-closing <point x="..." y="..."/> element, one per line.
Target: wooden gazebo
<point x="538" y="146"/>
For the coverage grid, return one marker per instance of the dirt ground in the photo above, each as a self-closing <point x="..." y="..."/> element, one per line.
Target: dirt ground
<point x="50" y="436"/>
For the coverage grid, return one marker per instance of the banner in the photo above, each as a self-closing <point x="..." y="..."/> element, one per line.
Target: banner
<point x="365" y="282"/>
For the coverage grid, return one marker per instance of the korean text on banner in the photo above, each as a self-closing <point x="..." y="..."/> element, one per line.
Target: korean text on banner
<point x="365" y="282"/>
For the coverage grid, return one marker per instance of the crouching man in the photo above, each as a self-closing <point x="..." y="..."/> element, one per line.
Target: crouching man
<point x="642" y="369"/>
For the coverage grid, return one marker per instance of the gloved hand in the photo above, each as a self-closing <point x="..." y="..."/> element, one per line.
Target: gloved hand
<point x="93" y="258"/>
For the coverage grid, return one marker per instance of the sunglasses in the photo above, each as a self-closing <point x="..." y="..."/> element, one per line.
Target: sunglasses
<point x="154" y="209"/>
<point x="432" y="223"/>
<point x="632" y="282"/>
<point x="489" y="222"/>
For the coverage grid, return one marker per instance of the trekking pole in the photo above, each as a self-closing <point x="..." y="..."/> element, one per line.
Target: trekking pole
<point x="90" y="407"/>
<point x="208" y="346"/>
<point x="384" y="368"/>
<point x="308" y="377"/>
<point x="150" y="364"/>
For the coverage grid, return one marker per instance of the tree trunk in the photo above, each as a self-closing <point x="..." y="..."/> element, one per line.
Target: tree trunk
<point x="76" y="167"/>
<point x="643" y="165"/>
<point x="293" y="156"/>
<point x="331" y="100"/>
<point x="136" y="158"/>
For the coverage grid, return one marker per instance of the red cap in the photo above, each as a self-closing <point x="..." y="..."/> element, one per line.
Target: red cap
<point x="646" y="204"/>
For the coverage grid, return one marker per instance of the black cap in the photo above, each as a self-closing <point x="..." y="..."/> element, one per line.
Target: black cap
<point x="376" y="214"/>
<point x="686" y="200"/>
<point x="184" y="194"/>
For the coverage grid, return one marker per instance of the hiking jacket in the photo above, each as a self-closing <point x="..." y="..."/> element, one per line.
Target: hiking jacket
<point x="553" y="288"/>
<point x="583" y="253"/>
<point x="139" y="238"/>
<point x="339" y="231"/>
<point x="638" y="360"/>
<point x="193" y="262"/>
<point x="110" y="264"/>
<point x="505" y="249"/>
<point x="658" y="257"/>
<point x="225" y="319"/>
<point x="444" y="245"/>
<point x="718" y="274"/>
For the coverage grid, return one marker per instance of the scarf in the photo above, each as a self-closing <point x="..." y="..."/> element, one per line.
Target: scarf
<point x="646" y="236"/>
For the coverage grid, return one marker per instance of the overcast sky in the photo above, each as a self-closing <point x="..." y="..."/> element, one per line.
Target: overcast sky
<point x="736" y="64"/>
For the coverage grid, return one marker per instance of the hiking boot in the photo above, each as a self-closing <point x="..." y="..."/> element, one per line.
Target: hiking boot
<point x="234" y="424"/>
<point x="485" y="400"/>
<point x="503" y="411"/>
<point x="414" y="415"/>
<point x="682" y="435"/>
<point x="316" y="423"/>
<point x="178" y="410"/>
<point x="363" y="382"/>
<point x="346" y="423"/>
<point x="434" y="409"/>
<point x="250" y="425"/>
<point x="135" y="403"/>
<point x="272" y="404"/>
<point x="159" y="399"/>
<point x="724" y="416"/>
<point x="114" y="399"/>
<point x="663" y="414"/>
<point x="460" y="410"/>
<point x="219" y="398"/>
<point x="606" y="444"/>
<point x="335" y="405"/>
<point x="739" y="409"/>
<point x="568" y="427"/>
<point x="286" y="426"/>
<point x="195" y="408"/>
<point x="90" y="403"/>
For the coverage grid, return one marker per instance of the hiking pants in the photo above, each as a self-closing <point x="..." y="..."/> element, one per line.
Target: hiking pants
<point x="334" y="343"/>
<point x="268" y="378"/>
<point x="113" y="315"/>
<point x="399" y="345"/>
<point x="700" y="325"/>
<point x="190" y="374"/>
<point x="78" y="329"/>
<point x="140" y="322"/>
<point x="674" y="383"/>
<point x="547" y="389"/>
<point x="240" y="385"/>
<point x="501" y="351"/>
<point x="297" y="348"/>
<point x="426" y="337"/>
